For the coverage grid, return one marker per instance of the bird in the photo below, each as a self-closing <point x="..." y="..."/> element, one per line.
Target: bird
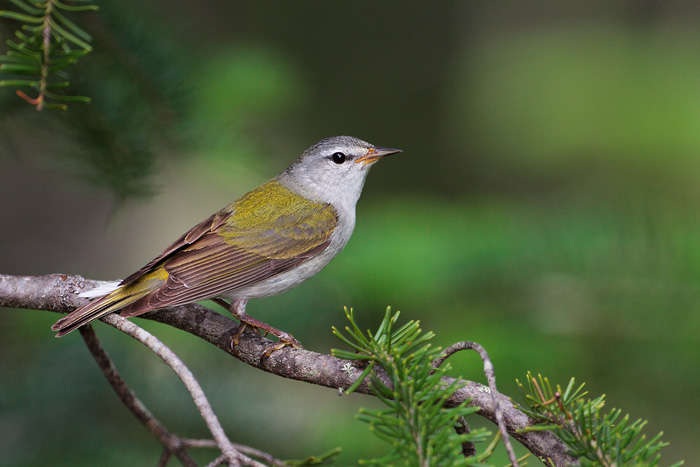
<point x="265" y="243"/>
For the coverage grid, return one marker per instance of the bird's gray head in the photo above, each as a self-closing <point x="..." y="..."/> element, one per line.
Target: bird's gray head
<point x="334" y="169"/>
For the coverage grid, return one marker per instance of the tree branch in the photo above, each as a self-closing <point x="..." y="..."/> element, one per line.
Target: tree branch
<point x="58" y="292"/>
<point x="184" y="374"/>
<point x="172" y="443"/>
<point x="491" y="378"/>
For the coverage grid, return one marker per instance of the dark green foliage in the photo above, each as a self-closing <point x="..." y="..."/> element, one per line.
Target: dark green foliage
<point x="421" y="430"/>
<point x="596" y="438"/>
<point x="137" y="96"/>
<point x="138" y="102"/>
<point x="46" y="44"/>
<point x="415" y="423"/>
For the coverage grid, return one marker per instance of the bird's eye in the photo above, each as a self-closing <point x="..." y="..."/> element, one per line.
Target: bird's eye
<point x="338" y="157"/>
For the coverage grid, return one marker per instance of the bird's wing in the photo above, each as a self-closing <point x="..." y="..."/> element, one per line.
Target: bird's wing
<point x="141" y="284"/>
<point x="206" y="226"/>
<point x="269" y="231"/>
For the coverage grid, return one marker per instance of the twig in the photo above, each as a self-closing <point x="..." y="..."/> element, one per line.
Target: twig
<point x="46" y="47"/>
<point x="200" y="443"/>
<point x="491" y="378"/>
<point x="173" y="361"/>
<point x="58" y="293"/>
<point x="260" y="455"/>
<point x="172" y="443"/>
<point x="462" y="428"/>
<point x="218" y="461"/>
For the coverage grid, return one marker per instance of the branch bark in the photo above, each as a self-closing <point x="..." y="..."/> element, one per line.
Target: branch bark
<point x="59" y="293"/>
<point x="172" y="443"/>
<point x="491" y="378"/>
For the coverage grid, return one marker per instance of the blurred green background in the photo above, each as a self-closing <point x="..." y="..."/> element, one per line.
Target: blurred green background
<point x="546" y="205"/>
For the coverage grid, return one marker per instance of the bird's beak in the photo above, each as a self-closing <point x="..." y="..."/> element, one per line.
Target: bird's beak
<point x="374" y="154"/>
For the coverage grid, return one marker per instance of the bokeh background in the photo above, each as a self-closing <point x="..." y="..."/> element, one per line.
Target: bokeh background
<point x="546" y="205"/>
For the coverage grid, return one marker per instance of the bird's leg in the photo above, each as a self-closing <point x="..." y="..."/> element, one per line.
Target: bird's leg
<point x="241" y="329"/>
<point x="237" y="309"/>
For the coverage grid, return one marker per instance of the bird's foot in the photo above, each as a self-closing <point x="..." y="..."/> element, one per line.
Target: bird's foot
<point x="285" y="339"/>
<point x="235" y="339"/>
<point x="237" y="308"/>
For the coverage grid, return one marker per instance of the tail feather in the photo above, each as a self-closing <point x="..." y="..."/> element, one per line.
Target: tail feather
<point x="92" y="311"/>
<point x="105" y="288"/>
<point x="121" y="297"/>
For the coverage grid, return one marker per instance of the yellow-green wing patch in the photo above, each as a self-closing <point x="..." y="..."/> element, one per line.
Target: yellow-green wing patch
<point x="276" y="223"/>
<point x="268" y="231"/>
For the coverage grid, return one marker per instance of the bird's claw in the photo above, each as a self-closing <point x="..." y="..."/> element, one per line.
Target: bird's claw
<point x="235" y="339"/>
<point x="285" y="340"/>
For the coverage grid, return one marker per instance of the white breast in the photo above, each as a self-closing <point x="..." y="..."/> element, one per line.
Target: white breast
<point x="287" y="280"/>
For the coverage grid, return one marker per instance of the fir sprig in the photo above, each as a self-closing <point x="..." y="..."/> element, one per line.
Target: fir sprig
<point x="47" y="43"/>
<point x="598" y="439"/>
<point x="416" y="423"/>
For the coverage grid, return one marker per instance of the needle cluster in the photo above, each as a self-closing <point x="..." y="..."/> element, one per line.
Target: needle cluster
<point x="598" y="439"/>
<point x="415" y="422"/>
<point x="46" y="44"/>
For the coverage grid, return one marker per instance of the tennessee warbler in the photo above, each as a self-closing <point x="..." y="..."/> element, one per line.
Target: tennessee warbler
<point x="270" y="240"/>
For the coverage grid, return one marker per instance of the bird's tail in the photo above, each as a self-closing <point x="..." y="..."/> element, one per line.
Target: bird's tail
<point x="113" y="301"/>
